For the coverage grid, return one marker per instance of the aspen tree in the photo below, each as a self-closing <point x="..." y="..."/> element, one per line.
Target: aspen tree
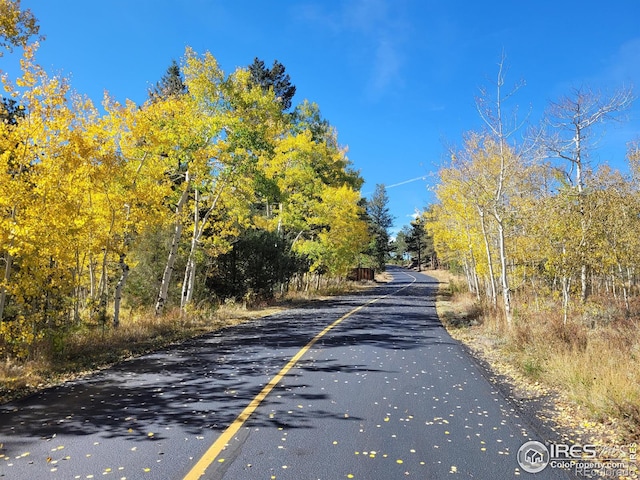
<point x="17" y="26"/>
<point x="243" y="120"/>
<point x="571" y="122"/>
<point x="510" y="158"/>
<point x="342" y="234"/>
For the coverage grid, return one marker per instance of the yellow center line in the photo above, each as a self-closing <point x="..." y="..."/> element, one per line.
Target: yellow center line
<point x="223" y="440"/>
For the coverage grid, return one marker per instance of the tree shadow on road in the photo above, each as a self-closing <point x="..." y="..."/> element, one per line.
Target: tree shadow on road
<point x="204" y="383"/>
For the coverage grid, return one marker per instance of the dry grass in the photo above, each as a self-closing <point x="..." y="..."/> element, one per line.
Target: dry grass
<point x="590" y="363"/>
<point x="593" y="363"/>
<point x="94" y="347"/>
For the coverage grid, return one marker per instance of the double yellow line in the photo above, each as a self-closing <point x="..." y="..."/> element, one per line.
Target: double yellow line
<point x="223" y="440"/>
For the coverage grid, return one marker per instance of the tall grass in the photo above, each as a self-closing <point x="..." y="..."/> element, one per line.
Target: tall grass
<point x="593" y="358"/>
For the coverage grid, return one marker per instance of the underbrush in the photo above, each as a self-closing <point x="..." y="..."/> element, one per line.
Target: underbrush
<point x="595" y="363"/>
<point x="592" y="359"/>
<point x="68" y="353"/>
<point x="54" y="358"/>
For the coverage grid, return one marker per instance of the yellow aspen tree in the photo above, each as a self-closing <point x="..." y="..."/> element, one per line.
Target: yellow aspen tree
<point x="129" y="187"/>
<point x="342" y="234"/>
<point x="456" y="230"/>
<point x="47" y="162"/>
<point x="17" y="26"/>
<point x="242" y="120"/>
<point x="510" y="160"/>
<point x="36" y="167"/>
<point x="301" y="166"/>
<point x="613" y="224"/>
<point x="172" y="131"/>
<point x="474" y="172"/>
<point x="571" y="123"/>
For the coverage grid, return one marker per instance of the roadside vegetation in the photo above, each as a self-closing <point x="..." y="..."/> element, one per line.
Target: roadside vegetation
<point x="586" y="367"/>
<point x="543" y="245"/>
<point x="96" y="346"/>
<point x="128" y="226"/>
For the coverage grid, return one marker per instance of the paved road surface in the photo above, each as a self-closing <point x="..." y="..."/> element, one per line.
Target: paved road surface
<point x="384" y="394"/>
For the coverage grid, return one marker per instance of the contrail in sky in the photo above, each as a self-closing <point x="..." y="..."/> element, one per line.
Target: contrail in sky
<point x="424" y="177"/>
<point x="406" y="181"/>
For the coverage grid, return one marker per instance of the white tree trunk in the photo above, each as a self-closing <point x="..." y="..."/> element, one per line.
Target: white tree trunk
<point x="199" y="225"/>
<point x="492" y="278"/>
<point x="566" y="285"/>
<point x="504" y="278"/>
<point x="189" y="273"/>
<point x="625" y="291"/>
<point x="119" y="286"/>
<point x="8" y="259"/>
<point x="566" y="288"/>
<point x="173" y="251"/>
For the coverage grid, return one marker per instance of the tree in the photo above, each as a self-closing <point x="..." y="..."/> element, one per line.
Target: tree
<point x="307" y="116"/>
<point x="167" y="130"/>
<point x="342" y="234"/>
<point x="249" y="120"/>
<point x="74" y="197"/>
<point x="570" y="123"/>
<point x="510" y="158"/>
<point x="184" y="129"/>
<point x="418" y="240"/>
<point x="17" y="26"/>
<point x="134" y="190"/>
<point x="455" y="227"/>
<point x="171" y="83"/>
<point x="380" y="221"/>
<point x="273" y="78"/>
<point x="400" y="246"/>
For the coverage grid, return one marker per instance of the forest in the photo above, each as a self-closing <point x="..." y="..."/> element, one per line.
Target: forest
<point x="219" y="189"/>
<point x="545" y="239"/>
<point x="216" y="188"/>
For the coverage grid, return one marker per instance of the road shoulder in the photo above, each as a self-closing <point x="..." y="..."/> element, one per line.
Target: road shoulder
<point x="550" y="412"/>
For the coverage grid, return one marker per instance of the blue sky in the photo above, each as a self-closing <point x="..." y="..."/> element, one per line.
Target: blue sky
<point x="397" y="78"/>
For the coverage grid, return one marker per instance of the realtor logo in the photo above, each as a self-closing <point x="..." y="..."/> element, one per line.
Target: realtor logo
<point x="533" y="457"/>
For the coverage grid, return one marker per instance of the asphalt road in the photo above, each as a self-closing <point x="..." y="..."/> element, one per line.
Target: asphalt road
<point x="384" y="393"/>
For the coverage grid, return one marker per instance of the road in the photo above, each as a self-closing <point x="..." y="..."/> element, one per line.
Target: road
<point x="366" y="386"/>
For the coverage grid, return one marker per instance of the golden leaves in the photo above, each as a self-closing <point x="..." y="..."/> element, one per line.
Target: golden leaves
<point x="80" y="187"/>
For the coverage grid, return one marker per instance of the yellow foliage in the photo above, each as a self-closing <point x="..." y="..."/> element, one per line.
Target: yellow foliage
<point x="79" y="188"/>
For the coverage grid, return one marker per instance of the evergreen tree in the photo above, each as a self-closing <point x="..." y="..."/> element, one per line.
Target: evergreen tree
<point x="380" y="221"/>
<point x="171" y="83"/>
<point x="275" y="78"/>
<point x="400" y="246"/>
<point x="419" y="242"/>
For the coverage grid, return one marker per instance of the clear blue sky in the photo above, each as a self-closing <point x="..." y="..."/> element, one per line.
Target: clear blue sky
<point x="397" y="78"/>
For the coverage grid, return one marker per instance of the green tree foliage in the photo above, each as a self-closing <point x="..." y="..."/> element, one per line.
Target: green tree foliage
<point x="274" y="79"/>
<point x="419" y="243"/>
<point x="400" y="250"/>
<point x="171" y="83"/>
<point x="258" y="262"/>
<point x="379" y="221"/>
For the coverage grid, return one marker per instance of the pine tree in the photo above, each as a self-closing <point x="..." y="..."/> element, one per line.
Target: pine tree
<point x="380" y="221"/>
<point x="419" y="242"/>
<point x="275" y="78"/>
<point x="171" y="83"/>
